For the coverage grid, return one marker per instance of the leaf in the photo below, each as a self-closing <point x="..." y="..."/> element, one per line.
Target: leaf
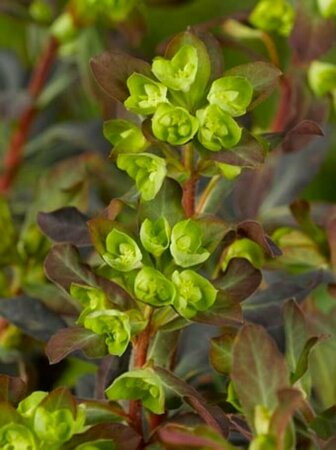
<point x="300" y="135"/>
<point x="124" y="437"/>
<point x="289" y="400"/>
<point x="211" y="414"/>
<point x="68" y="340"/>
<point x="249" y="153"/>
<point x="103" y="412"/>
<point x="112" y="69"/>
<point x="167" y="203"/>
<point x="175" y="436"/>
<point x="65" y="225"/>
<point x="240" y="279"/>
<point x="263" y="77"/>
<point x="213" y="231"/>
<point x="12" y="389"/>
<point x="325" y="423"/>
<point x="59" y="398"/>
<point x="31" y="316"/>
<point x="226" y="310"/>
<point x="63" y="267"/>
<point x="258" y="370"/>
<point x="312" y="36"/>
<point x="253" y="230"/>
<point x="221" y="350"/>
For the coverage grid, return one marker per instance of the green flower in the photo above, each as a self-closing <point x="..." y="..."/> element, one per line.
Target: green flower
<point x="152" y="287"/>
<point x="146" y="94"/>
<point x="27" y="407"/>
<point x="57" y="426"/>
<point x="186" y="244"/>
<point x="114" y="325"/>
<point x="16" y="437"/>
<point x="122" y="252"/>
<point x="327" y="7"/>
<point x="173" y="124"/>
<point x="194" y="293"/>
<point x="322" y="77"/>
<point x="92" y="299"/>
<point x="147" y="170"/>
<point x="218" y="129"/>
<point x="244" y="248"/>
<point x="179" y="73"/>
<point x="273" y="15"/>
<point x="232" y="94"/>
<point x="155" y="236"/>
<point x="140" y="384"/>
<point x="117" y="10"/>
<point x="125" y="136"/>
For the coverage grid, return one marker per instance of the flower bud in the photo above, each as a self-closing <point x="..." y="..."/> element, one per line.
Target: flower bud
<point x="92" y="299"/>
<point x="146" y="94"/>
<point x="114" y="325"/>
<point x="186" y="244"/>
<point x="147" y="170"/>
<point x="194" y="293"/>
<point x="155" y="236"/>
<point x="179" y="73"/>
<point x="173" y="124"/>
<point x="140" y="384"/>
<point x="153" y="288"/>
<point x="16" y="436"/>
<point x="273" y="15"/>
<point x="218" y="129"/>
<point x="122" y="252"/>
<point x="232" y="94"/>
<point x="56" y="426"/>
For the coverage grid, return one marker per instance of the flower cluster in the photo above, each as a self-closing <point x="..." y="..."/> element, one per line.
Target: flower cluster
<point x="322" y="78"/>
<point x="274" y="16"/>
<point x="40" y="422"/>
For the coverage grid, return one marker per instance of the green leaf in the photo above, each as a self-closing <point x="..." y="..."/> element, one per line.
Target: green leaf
<point x="325" y="423"/>
<point x="244" y="248"/>
<point x="221" y="350"/>
<point x="258" y="370"/>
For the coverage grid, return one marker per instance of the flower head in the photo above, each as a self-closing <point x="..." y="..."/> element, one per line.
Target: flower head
<point x="273" y="15"/>
<point x="90" y="298"/>
<point x="147" y="170"/>
<point x="155" y="235"/>
<point x="114" y="325"/>
<point x="179" y="73"/>
<point x="151" y="287"/>
<point x="232" y="94"/>
<point x="186" y="244"/>
<point x="174" y="124"/>
<point x="16" y="436"/>
<point x="146" y="94"/>
<point x="218" y="129"/>
<point x="194" y="293"/>
<point x="125" y="136"/>
<point x="122" y="252"/>
<point x="140" y="384"/>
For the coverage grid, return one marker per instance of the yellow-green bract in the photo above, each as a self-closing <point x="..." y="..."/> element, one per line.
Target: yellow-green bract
<point x="122" y="252"/>
<point x="194" y="293"/>
<point x="322" y="77"/>
<point x="151" y="287"/>
<point x="232" y="94"/>
<point x="155" y="236"/>
<point x="218" y="129"/>
<point x="90" y="298"/>
<point x="244" y="248"/>
<point x="174" y="124"/>
<point x="139" y="384"/>
<point x="125" y="136"/>
<point x="179" y="73"/>
<point x="147" y="170"/>
<point x="186" y="244"/>
<point x="114" y="325"/>
<point x="146" y="94"/>
<point x="273" y="15"/>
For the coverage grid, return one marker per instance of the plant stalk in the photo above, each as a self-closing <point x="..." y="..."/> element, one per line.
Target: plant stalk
<point x="189" y="187"/>
<point x="14" y="152"/>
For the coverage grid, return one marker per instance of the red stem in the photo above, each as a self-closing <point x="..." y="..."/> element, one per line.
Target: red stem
<point x="281" y="119"/>
<point x="189" y="187"/>
<point x="14" y="153"/>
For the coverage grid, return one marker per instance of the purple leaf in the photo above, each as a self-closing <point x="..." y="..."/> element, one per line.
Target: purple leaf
<point x="12" y="389"/>
<point x="253" y="230"/>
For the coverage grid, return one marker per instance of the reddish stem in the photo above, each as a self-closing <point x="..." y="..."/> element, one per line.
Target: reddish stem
<point x="14" y="153"/>
<point x="281" y="119"/>
<point x="189" y="187"/>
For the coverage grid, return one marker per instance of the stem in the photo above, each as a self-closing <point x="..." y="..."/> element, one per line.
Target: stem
<point x="206" y="193"/>
<point x="140" y="350"/>
<point x="271" y="48"/>
<point x="189" y="186"/>
<point x="281" y="119"/>
<point x="14" y="152"/>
